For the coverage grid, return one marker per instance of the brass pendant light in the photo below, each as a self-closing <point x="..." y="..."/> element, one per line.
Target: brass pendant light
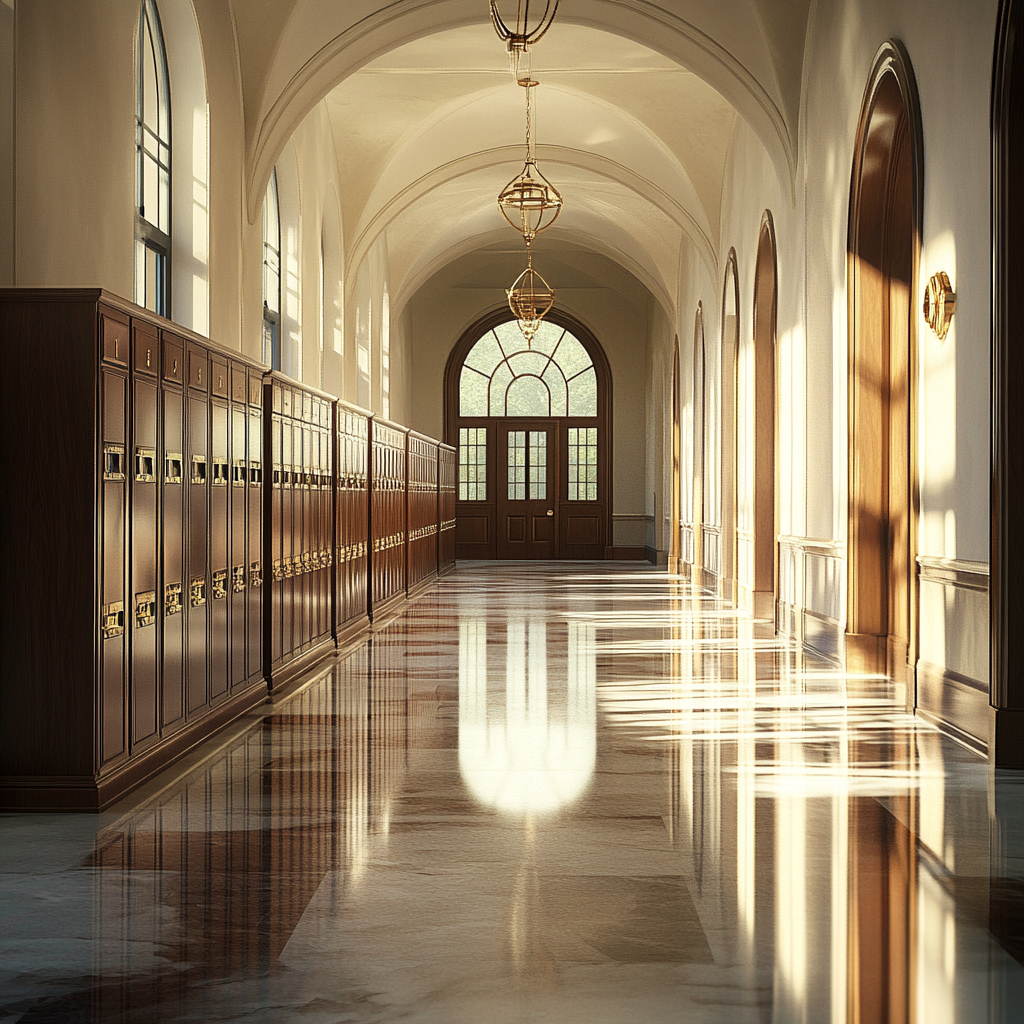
<point x="530" y="298"/>
<point x="527" y="30"/>
<point x="529" y="202"/>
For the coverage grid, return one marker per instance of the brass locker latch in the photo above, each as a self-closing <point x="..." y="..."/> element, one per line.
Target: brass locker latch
<point x="199" y="469"/>
<point x="277" y="477"/>
<point x="172" y="468"/>
<point x="145" y="465"/>
<point x="197" y="591"/>
<point x="220" y="472"/>
<point x="238" y="477"/>
<point x="277" y="570"/>
<point x="172" y="599"/>
<point x="255" y="575"/>
<point x="237" y="579"/>
<point x="145" y="608"/>
<point x="113" y="462"/>
<point x="255" y="474"/>
<point x="220" y="584"/>
<point x="112" y="619"/>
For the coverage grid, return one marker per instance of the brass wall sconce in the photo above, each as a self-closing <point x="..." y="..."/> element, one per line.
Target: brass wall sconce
<point x="939" y="304"/>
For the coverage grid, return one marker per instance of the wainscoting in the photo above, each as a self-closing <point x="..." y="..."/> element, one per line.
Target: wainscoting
<point x="952" y="666"/>
<point x="810" y="591"/>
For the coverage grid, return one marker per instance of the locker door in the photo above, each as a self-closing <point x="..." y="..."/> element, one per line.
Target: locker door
<point x="198" y="585"/>
<point x="220" y="579"/>
<point x="172" y="536"/>
<point x="288" y="540"/>
<point x="239" y="581"/>
<point x="277" y="528"/>
<point x="113" y="484"/>
<point x="254" y="541"/>
<point x="143" y="590"/>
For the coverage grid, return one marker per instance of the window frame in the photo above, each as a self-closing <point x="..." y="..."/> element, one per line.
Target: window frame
<point x="149" y="237"/>
<point x="272" y="317"/>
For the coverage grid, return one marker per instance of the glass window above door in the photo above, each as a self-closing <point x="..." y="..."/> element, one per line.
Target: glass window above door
<point x="503" y="376"/>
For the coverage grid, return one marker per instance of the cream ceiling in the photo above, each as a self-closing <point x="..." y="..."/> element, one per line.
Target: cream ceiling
<point x="635" y="111"/>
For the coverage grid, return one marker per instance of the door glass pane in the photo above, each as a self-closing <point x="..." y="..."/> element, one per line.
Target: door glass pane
<point x="538" y="465"/>
<point x="472" y="464"/>
<point x="582" y="464"/>
<point x="517" y="465"/>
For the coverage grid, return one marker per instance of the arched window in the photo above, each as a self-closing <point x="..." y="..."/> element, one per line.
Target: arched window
<point x="532" y="424"/>
<point x="153" y="166"/>
<point x="272" y="275"/>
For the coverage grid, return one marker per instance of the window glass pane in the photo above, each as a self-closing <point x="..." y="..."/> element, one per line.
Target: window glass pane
<point x="528" y="362"/>
<point x="582" y="475"/>
<point x="571" y="356"/>
<point x="538" y="464"/>
<point x="150" y="95"/>
<point x="472" y="464"/>
<point x="546" y="338"/>
<point x="510" y="337"/>
<point x="484" y="355"/>
<point x="528" y="396"/>
<point x="499" y="382"/>
<point x="559" y="393"/>
<point x="517" y="465"/>
<point x="472" y="393"/>
<point x="583" y="394"/>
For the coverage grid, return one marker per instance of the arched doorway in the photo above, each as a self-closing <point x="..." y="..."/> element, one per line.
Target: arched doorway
<point x="762" y="521"/>
<point x="696" y="545"/>
<point x="675" y="538"/>
<point x="532" y="425"/>
<point x="883" y="250"/>
<point x="730" y="361"/>
<point x="1006" y="609"/>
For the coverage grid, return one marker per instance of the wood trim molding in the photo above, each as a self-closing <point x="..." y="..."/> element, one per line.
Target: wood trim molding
<point x="956" y="572"/>
<point x="814" y="546"/>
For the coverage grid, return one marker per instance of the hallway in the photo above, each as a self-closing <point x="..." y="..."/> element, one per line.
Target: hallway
<point x="557" y="792"/>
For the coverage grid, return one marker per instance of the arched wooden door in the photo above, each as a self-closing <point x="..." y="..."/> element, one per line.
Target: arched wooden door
<point x="532" y="425"/>
<point x="884" y="243"/>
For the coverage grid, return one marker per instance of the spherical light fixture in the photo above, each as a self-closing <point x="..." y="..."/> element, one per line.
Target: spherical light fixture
<point x="530" y="298"/>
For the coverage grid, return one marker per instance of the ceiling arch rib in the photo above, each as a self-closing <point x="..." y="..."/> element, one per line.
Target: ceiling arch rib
<point x="324" y="42"/>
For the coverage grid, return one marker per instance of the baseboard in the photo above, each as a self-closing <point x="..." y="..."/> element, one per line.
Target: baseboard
<point x="285" y="678"/>
<point x="954" y="703"/>
<point x="384" y="611"/>
<point x="626" y="554"/>
<point x="821" y="634"/>
<point x="420" y="586"/>
<point x="655" y="557"/>
<point x="83" y="793"/>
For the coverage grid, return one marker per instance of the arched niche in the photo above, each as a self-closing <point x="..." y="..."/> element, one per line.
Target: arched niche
<point x="727" y="427"/>
<point x="761" y="506"/>
<point x="883" y="254"/>
<point x="675" y="559"/>
<point x="697" y="406"/>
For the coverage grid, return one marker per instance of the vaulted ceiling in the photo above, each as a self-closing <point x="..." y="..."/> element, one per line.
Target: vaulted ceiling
<point x="635" y="111"/>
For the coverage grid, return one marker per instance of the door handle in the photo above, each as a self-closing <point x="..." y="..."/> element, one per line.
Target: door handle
<point x="550" y="512"/>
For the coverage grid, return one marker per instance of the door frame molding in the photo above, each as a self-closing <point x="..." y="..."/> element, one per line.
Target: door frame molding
<point x="869" y="650"/>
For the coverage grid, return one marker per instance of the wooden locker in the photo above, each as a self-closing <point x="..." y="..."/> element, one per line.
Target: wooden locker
<point x="197" y="534"/>
<point x="142" y="618"/>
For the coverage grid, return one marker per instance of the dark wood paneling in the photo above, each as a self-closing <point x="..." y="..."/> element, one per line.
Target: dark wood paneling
<point x="109" y="528"/>
<point x="351" y="517"/>
<point x="387" y="513"/>
<point x="422" y="510"/>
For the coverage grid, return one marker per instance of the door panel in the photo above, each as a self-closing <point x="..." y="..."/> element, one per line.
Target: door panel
<point x="527" y="478"/>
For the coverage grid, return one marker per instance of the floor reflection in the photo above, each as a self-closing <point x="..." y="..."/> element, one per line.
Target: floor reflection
<point x="558" y="793"/>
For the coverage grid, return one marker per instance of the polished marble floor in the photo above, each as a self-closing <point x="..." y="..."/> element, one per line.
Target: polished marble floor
<point x="561" y="792"/>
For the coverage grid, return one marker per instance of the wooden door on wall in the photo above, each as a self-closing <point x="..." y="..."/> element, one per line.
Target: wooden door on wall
<point x="532" y="426"/>
<point x="527" y="481"/>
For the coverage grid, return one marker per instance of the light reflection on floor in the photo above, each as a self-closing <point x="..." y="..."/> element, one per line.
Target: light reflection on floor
<point x="546" y="792"/>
